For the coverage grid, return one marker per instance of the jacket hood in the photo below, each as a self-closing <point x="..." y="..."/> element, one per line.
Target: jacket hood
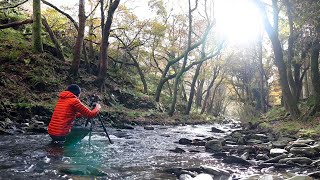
<point x="67" y="94"/>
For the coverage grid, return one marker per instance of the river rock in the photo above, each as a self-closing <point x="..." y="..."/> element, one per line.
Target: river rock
<point x="216" y="130"/>
<point x="235" y="160"/>
<point x="245" y="155"/>
<point x="281" y="142"/>
<point x="277" y="152"/>
<point x="301" y="177"/>
<point x="214" y="145"/>
<point x="203" y="176"/>
<point x="148" y="128"/>
<point x="316" y="163"/>
<point x="254" y="141"/>
<point x="262" y="157"/>
<point x="304" y="151"/>
<point x="185" y="141"/>
<point x="315" y="174"/>
<point x="198" y="142"/>
<point x="316" y="147"/>
<point x="214" y="171"/>
<point x="304" y="141"/>
<point x="185" y="177"/>
<point x="298" y="160"/>
<point x="276" y="159"/>
<point x="177" y="150"/>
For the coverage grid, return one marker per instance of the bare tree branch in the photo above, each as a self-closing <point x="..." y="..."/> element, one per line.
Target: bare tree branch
<point x="14" y="6"/>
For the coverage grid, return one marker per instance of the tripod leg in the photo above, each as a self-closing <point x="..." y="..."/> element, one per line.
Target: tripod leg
<point x="104" y="128"/>
<point x="90" y="132"/>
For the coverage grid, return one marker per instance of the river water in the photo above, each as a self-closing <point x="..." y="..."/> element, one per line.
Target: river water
<point x="135" y="154"/>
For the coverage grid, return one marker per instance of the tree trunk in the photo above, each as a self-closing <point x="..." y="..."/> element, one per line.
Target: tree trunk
<point x="306" y="92"/>
<point x="315" y="72"/>
<point x="194" y="80"/>
<point x="143" y="79"/>
<point x="36" y="27"/>
<point x="163" y="78"/>
<point x="205" y="101"/>
<point x="262" y="91"/>
<point x="315" y="67"/>
<point x="179" y="75"/>
<point x="16" y="23"/>
<point x="79" y="41"/>
<point x="199" y="93"/>
<point x="53" y="39"/>
<point x="103" y="65"/>
<point x="281" y="66"/>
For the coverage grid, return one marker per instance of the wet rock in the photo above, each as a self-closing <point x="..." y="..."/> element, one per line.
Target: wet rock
<point x="194" y="151"/>
<point x="304" y="151"/>
<point x="82" y="170"/>
<point x="276" y="159"/>
<point x="262" y="157"/>
<point x="203" y="176"/>
<point x="316" y="163"/>
<point x="300" y="177"/>
<point x="177" y="150"/>
<point x="216" y="130"/>
<point x="5" y="132"/>
<point x="220" y="154"/>
<point x="315" y="174"/>
<point x="241" y="141"/>
<point x="298" y="160"/>
<point x="148" y="128"/>
<point x="276" y="152"/>
<point x="185" y="141"/>
<point x="213" y="146"/>
<point x="245" y="156"/>
<point x="304" y="141"/>
<point x="214" y="171"/>
<point x="281" y="142"/>
<point x="254" y="141"/>
<point x="37" y="129"/>
<point x="198" y="142"/>
<point x="316" y="147"/>
<point x="185" y="177"/>
<point x="235" y="160"/>
<point x="296" y="145"/>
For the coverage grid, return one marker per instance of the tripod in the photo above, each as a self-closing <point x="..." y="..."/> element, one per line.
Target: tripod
<point x="103" y="127"/>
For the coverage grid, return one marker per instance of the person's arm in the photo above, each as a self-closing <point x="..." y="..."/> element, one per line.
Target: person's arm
<point x="84" y="111"/>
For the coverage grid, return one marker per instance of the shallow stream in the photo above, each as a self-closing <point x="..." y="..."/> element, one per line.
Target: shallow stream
<point x="135" y="154"/>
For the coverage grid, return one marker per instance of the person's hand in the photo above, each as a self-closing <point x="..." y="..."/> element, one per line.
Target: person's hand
<point x="98" y="106"/>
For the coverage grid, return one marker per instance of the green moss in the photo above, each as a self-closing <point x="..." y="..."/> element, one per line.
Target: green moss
<point x="289" y="127"/>
<point x="13" y="44"/>
<point x="275" y="113"/>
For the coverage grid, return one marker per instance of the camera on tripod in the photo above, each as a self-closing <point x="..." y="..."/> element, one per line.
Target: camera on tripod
<point x="93" y="100"/>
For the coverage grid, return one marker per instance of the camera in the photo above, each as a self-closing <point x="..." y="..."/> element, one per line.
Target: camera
<point x="93" y="99"/>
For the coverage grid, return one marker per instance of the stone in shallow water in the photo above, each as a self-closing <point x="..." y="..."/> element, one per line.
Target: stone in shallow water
<point x="185" y="141"/>
<point x="213" y="145"/>
<point x="304" y="151"/>
<point x="148" y="128"/>
<point x="301" y="177"/>
<point x="177" y="150"/>
<point x="277" y="152"/>
<point x="203" y="176"/>
<point x="216" y="130"/>
<point x="298" y="160"/>
<point x="214" y="171"/>
<point x="235" y="160"/>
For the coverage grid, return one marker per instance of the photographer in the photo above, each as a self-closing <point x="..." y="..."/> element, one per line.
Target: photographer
<point x="67" y="109"/>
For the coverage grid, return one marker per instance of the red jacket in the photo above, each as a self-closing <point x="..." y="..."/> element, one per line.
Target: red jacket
<point x="67" y="109"/>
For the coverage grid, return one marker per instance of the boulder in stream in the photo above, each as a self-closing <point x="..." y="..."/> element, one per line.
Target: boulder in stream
<point x="214" y="171"/>
<point x="304" y="151"/>
<point x="213" y="146"/>
<point x="235" y="160"/>
<point x="148" y="128"/>
<point x="298" y="160"/>
<point x="185" y="141"/>
<point x="216" y="130"/>
<point x="300" y="177"/>
<point x="276" y="152"/>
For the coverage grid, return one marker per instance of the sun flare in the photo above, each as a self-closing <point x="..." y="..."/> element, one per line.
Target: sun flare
<point x="238" y="20"/>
